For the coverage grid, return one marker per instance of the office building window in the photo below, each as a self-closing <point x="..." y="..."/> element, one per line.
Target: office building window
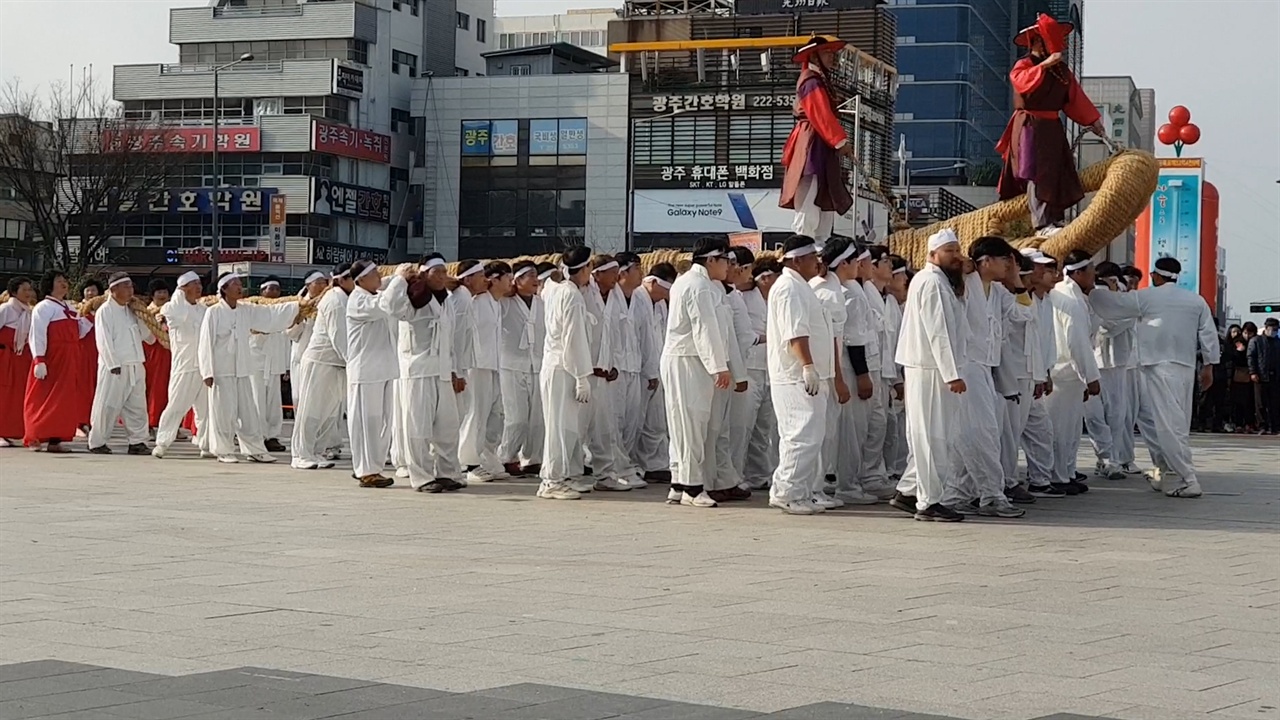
<point x="399" y="179"/>
<point x="521" y="69"/>
<point x="461" y="72"/>
<point x="401" y="122"/>
<point x="274" y="50"/>
<point x="481" y="30"/>
<point x="464" y="21"/>
<point x="403" y="59"/>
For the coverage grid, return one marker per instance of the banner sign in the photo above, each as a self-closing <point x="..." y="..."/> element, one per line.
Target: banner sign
<point x="1176" y="216"/>
<point x="200" y="201"/>
<point x="279" y="212"/>
<point x="328" y="253"/>
<point x="183" y="140"/>
<point x="475" y="137"/>
<point x="329" y="197"/>
<point x="722" y="177"/>
<point x="350" y="142"/>
<point x="347" y="81"/>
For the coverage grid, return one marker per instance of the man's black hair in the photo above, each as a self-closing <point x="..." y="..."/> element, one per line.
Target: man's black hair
<point x="1107" y="269"/>
<point x="341" y="268"/>
<point x="463" y="266"/>
<point x="219" y="281"/>
<point x="545" y="266"/>
<point x="1076" y="256"/>
<point x="878" y="252"/>
<point x="766" y="264"/>
<point x="430" y="256"/>
<point x="626" y="258"/>
<point x="270" y="278"/>
<point x="709" y="244"/>
<point x="1025" y="265"/>
<point x="743" y="256"/>
<point x="358" y="267"/>
<point x="1169" y="264"/>
<point x="899" y="262"/>
<point x="990" y="246"/>
<point x="834" y="248"/>
<point x="522" y="264"/>
<point x="1133" y="272"/>
<point x="496" y="268"/>
<point x="664" y="271"/>
<point x="576" y="256"/>
<point x="796" y="241"/>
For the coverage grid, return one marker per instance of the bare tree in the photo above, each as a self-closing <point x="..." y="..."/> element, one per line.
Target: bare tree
<point x="80" y="166"/>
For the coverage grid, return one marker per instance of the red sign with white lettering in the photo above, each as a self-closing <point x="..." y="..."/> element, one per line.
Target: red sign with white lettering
<point x="350" y="142"/>
<point x="182" y="140"/>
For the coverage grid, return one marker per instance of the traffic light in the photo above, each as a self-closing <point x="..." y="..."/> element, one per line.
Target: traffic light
<point x="1264" y="307"/>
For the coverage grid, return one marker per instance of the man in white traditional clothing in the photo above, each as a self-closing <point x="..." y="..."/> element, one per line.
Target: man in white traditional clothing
<point x="1018" y="379"/>
<point x="895" y="435"/>
<point x="637" y="359"/>
<point x="372" y="368"/>
<point x="726" y="485"/>
<point x="802" y="366"/>
<point x="694" y="365"/>
<point x="270" y="354"/>
<point x="653" y="444"/>
<point x="623" y="376"/>
<point x="754" y="445"/>
<point x="482" y="422"/>
<point x="567" y="369"/>
<point x="313" y="286"/>
<point x="846" y="435"/>
<point x="322" y="378"/>
<point x="226" y="367"/>
<point x="931" y="350"/>
<point x="122" y="379"/>
<point x="519" y="361"/>
<point x="1173" y="325"/>
<point x="1037" y="434"/>
<point x="184" y="315"/>
<point x="1075" y="371"/>
<point x="875" y="280"/>
<point x="607" y="469"/>
<point x="1114" y="351"/>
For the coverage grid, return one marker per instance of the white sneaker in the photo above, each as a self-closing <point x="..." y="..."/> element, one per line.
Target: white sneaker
<point x="303" y="464"/>
<point x="582" y="484"/>
<point x="1154" y="479"/>
<point x="5" y="443"/>
<point x="880" y="490"/>
<point x="479" y="475"/>
<point x="633" y="482"/>
<point x="331" y="454"/>
<point x="1109" y="470"/>
<point x="228" y="459"/>
<point x="1131" y="469"/>
<point x="673" y="496"/>
<point x="613" y="484"/>
<point x="401" y="472"/>
<point x="558" y="492"/>
<point x="858" y="496"/>
<point x="207" y="455"/>
<point x="156" y="452"/>
<point x="1001" y="508"/>
<point x="328" y="465"/>
<point x="1191" y="489"/>
<point x="183" y="434"/>
<point x="263" y="458"/>
<point x="795" y="508"/>
<point x="826" y="502"/>
<point x="703" y="500"/>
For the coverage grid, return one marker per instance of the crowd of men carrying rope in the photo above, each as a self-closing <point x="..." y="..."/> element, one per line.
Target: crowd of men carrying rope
<point x="830" y="375"/>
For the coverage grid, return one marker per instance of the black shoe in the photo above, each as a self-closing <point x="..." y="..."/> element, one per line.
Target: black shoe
<point x="830" y="479"/>
<point x="1080" y="477"/>
<point x="905" y="503"/>
<point x="1080" y="487"/>
<point x="433" y="487"/>
<point x="588" y="470"/>
<point x="1020" y="495"/>
<point x="938" y="512"/>
<point x="659" y="477"/>
<point x="275" y="446"/>
<point x="450" y="485"/>
<point x="100" y="450"/>
<point x="1047" y="491"/>
<point x="139" y="449"/>
<point x="1068" y="488"/>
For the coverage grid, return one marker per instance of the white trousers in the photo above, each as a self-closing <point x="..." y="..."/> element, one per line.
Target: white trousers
<point x="873" y="470"/>
<point x="317" y="409"/>
<point x="122" y="395"/>
<point x="370" y="406"/>
<point x="233" y="413"/>
<point x="753" y="431"/>
<point x="1095" y="423"/>
<point x="931" y="410"/>
<point x="482" y="420"/>
<point x="802" y="427"/>
<point x="521" y="418"/>
<point x="266" y="392"/>
<point x="690" y="407"/>
<point x="186" y="392"/>
<point x="428" y="428"/>
<point x="1168" y="390"/>
<point x="562" y="420"/>
<point x="1117" y="401"/>
<point x="628" y="393"/>
<point x="846" y="433"/>
<point x="1013" y="416"/>
<point x="975" y="441"/>
<point x="653" y="444"/>
<point x="809" y="220"/>
<point x="724" y="474"/>
<point x="600" y="432"/>
<point x="1066" y="412"/>
<point x="1037" y="443"/>
<point x="895" y="434"/>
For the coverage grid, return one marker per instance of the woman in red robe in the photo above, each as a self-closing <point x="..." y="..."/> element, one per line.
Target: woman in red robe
<point x="157" y="360"/>
<point x="1037" y="156"/>
<point x="15" y="359"/>
<point x="55" y="394"/>
<point x="88" y="361"/>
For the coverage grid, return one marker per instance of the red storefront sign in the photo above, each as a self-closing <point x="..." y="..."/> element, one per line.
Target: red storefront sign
<point x="200" y="256"/>
<point x="350" y="142"/>
<point x="183" y="140"/>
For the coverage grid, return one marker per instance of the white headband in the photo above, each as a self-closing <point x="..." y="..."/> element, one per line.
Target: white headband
<point x="226" y="279"/>
<point x="187" y="278"/>
<point x="607" y="266"/>
<point x="627" y="267"/>
<point x="119" y="281"/>
<point x="945" y="236"/>
<point x="478" y="267"/>
<point x="709" y="254"/>
<point x="866" y="253"/>
<point x="317" y="275"/>
<point x="900" y="271"/>
<point x="367" y="270"/>
<point x="843" y="256"/>
<point x="1078" y="266"/>
<point x="762" y="274"/>
<point x="1164" y="273"/>
<point x="546" y="274"/>
<point x="800" y="252"/>
<point x="343" y="274"/>
<point x="432" y="263"/>
<point x="579" y="266"/>
<point x="1028" y="271"/>
<point x="661" y="283"/>
<point x="525" y="270"/>
<point x="1043" y="259"/>
<point x="268" y="284"/>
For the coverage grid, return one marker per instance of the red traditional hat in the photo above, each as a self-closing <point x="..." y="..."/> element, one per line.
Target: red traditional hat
<point x="1053" y="33"/>
<point x="816" y="43"/>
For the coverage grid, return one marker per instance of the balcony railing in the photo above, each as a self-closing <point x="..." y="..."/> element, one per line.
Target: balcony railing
<point x="197" y="68"/>
<point x="248" y="12"/>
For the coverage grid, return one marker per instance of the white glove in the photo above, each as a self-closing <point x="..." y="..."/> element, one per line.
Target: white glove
<point x="582" y="390"/>
<point x="811" y="382"/>
<point x="41" y="372"/>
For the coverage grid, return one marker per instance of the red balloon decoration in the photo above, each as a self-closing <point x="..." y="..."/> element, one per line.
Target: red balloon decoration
<point x="1189" y="134"/>
<point x="1180" y="115"/>
<point x="1168" y="134"/>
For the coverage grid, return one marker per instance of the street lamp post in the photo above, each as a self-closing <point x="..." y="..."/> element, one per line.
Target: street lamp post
<point x="217" y="176"/>
<point x="631" y="170"/>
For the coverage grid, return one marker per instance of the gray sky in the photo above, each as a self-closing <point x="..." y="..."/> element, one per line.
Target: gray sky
<point x="1220" y="58"/>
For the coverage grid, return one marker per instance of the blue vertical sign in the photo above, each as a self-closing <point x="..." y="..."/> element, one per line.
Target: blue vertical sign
<point x="1176" y="219"/>
<point x="505" y="136"/>
<point x="573" y="136"/>
<point x="544" y="137"/>
<point x="475" y="137"/>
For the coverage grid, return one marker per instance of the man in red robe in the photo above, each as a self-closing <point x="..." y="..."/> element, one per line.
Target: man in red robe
<point x="814" y="182"/>
<point x="15" y="359"/>
<point x="55" y="394"/>
<point x="157" y="360"/>
<point x="1037" y="156"/>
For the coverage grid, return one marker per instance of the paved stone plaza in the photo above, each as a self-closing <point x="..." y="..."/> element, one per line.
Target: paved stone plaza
<point x="184" y="588"/>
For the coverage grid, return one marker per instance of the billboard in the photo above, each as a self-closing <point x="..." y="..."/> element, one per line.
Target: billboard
<point x="734" y="211"/>
<point x="245" y="138"/>
<point x="348" y="80"/>
<point x="329" y="197"/>
<point x="1176" y="216"/>
<point x="200" y="201"/>
<point x="350" y="142"/>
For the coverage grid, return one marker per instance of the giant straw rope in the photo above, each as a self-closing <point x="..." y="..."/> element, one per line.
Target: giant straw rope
<point x="1123" y="184"/>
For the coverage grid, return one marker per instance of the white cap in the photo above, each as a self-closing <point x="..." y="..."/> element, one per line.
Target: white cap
<point x="187" y="278"/>
<point x="945" y="236"/>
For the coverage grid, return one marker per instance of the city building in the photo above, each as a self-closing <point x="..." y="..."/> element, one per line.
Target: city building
<point x="18" y="254"/>
<point x="313" y="102"/>
<point x="1129" y="123"/>
<point x="554" y="59"/>
<point x="588" y="29"/>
